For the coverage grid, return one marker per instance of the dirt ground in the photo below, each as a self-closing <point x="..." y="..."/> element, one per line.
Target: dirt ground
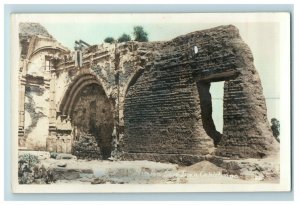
<point x="148" y="172"/>
<point x="69" y="169"/>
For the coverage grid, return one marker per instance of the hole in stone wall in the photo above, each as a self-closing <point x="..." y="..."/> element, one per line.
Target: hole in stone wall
<point x="210" y="105"/>
<point x="217" y="93"/>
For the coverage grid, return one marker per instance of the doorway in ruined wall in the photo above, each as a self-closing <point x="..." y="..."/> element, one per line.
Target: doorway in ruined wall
<point x="211" y="103"/>
<point x="91" y="113"/>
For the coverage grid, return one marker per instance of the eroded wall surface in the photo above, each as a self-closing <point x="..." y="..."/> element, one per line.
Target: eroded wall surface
<point x="36" y="115"/>
<point x="38" y="51"/>
<point x="163" y="112"/>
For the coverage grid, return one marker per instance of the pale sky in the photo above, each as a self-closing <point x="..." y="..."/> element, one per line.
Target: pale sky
<point x="260" y="31"/>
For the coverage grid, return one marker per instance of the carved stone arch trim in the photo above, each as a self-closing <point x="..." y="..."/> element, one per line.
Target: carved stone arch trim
<point x="132" y="80"/>
<point x="74" y="89"/>
<point x="45" y="48"/>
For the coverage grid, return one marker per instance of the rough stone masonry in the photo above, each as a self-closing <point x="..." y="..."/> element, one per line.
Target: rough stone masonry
<point x="147" y="100"/>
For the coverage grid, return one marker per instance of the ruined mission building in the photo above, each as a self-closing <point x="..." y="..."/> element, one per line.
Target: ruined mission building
<point x="150" y="98"/>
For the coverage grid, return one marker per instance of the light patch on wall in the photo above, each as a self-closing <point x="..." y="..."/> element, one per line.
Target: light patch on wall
<point x="28" y="120"/>
<point x="36" y="67"/>
<point x="37" y="138"/>
<point x="61" y="85"/>
<point x="40" y="102"/>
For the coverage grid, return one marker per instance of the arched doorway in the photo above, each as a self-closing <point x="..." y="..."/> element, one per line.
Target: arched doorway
<point x="90" y="111"/>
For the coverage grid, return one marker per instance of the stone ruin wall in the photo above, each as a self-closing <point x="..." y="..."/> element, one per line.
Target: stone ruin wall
<point x="168" y="109"/>
<point x="157" y="95"/>
<point x="34" y="86"/>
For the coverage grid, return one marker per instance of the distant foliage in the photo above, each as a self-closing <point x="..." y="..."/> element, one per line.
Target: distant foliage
<point x="139" y="34"/>
<point x="275" y="128"/>
<point x="124" y="38"/>
<point x="109" y="40"/>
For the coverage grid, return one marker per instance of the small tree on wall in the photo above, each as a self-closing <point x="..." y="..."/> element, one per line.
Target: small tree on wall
<point x="139" y="34"/>
<point x="109" y="40"/>
<point x="124" y="38"/>
<point x="275" y="128"/>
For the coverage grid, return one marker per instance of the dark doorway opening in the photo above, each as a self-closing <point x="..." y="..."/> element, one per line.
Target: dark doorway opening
<point x="92" y="114"/>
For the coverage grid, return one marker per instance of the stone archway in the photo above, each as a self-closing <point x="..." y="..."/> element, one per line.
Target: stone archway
<point x="90" y="111"/>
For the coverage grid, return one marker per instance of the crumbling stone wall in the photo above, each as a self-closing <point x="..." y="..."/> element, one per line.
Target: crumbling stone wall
<point x="36" y="112"/>
<point x="26" y="32"/>
<point x="163" y="112"/>
<point x="37" y="47"/>
<point x="246" y="131"/>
